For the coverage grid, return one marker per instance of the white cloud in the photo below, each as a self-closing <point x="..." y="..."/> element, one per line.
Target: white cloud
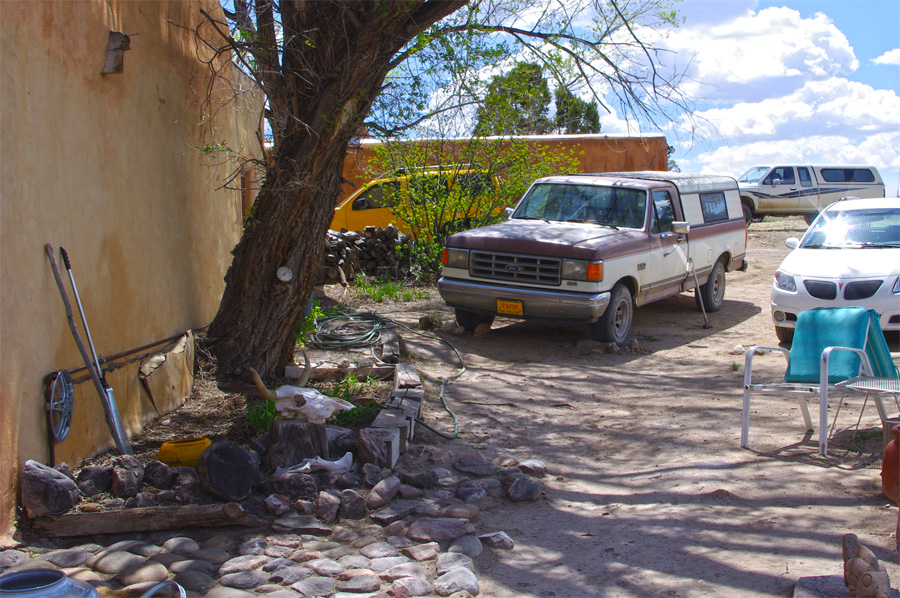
<point x="891" y="57"/>
<point x="832" y="107"/>
<point x="738" y="58"/>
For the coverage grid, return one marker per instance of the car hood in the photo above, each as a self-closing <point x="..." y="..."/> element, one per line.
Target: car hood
<point x="551" y="239"/>
<point x="842" y="263"/>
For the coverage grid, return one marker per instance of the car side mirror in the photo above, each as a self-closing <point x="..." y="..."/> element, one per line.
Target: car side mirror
<point x="680" y="227"/>
<point x="792" y="242"/>
<point x="507" y="213"/>
<point x="361" y="204"/>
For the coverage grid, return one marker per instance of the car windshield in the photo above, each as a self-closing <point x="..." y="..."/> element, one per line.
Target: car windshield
<point x="754" y="174"/>
<point x="876" y="227"/>
<point x="611" y="206"/>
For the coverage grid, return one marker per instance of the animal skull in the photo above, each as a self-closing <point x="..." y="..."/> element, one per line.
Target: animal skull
<point x="294" y="402"/>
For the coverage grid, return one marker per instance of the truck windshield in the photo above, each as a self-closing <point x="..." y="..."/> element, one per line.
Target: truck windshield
<point x="854" y="228"/>
<point x="561" y="202"/>
<point x="754" y="174"/>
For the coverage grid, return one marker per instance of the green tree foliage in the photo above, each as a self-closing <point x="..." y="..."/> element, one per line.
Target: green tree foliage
<point x="516" y="103"/>
<point x="574" y="115"/>
<point x="474" y="180"/>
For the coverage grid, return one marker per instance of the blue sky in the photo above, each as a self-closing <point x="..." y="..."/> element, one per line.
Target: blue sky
<point x="798" y="81"/>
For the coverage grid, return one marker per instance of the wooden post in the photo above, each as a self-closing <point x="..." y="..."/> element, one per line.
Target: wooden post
<point x="293" y="440"/>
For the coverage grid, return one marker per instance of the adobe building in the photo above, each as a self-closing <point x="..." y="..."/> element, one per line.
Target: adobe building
<point x="100" y="135"/>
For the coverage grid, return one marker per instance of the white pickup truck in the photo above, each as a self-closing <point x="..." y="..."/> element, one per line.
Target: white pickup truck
<point x="590" y="248"/>
<point x="804" y="190"/>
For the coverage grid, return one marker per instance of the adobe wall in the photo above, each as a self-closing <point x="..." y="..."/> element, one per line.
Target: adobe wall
<point x="107" y="167"/>
<point x="596" y="153"/>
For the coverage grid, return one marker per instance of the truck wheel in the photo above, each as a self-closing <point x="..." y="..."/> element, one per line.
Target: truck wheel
<point x="614" y="326"/>
<point x="748" y="213"/>
<point x="713" y="292"/>
<point x="469" y="319"/>
<point x="808" y="218"/>
<point x="784" y="334"/>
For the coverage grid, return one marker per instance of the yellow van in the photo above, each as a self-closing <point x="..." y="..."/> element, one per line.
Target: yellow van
<point x="372" y="205"/>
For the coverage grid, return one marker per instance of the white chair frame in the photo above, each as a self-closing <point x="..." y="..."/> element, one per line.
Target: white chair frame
<point x="866" y="382"/>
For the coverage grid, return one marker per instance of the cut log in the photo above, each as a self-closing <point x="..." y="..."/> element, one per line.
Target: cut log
<point x="145" y="519"/>
<point x="293" y="440"/>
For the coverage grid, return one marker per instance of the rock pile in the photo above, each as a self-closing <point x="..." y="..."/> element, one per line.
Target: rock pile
<point x="371" y="532"/>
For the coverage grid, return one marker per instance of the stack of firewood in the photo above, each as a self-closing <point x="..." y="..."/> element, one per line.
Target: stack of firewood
<point x="376" y="252"/>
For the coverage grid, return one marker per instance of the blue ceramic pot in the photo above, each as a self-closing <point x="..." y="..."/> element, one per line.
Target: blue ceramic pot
<point x="44" y="583"/>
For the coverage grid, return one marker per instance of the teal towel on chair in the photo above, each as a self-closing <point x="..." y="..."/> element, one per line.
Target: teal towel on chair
<point x="878" y="351"/>
<point x="824" y="327"/>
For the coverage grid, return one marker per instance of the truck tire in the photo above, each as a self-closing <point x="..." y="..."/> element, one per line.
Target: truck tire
<point x="784" y="334"/>
<point x="748" y="212"/>
<point x="614" y="326"/>
<point x="469" y="319"/>
<point x="713" y="292"/>
<point x="808" y="218"/>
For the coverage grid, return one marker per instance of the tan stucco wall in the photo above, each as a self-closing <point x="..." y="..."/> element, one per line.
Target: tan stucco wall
<point x="596" y="153"/>
<point x="105" y="166"/>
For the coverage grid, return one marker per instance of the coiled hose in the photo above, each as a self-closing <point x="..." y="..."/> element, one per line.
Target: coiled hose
<point x="363" y="329"/>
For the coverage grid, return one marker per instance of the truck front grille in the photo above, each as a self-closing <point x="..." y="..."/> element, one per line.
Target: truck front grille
<point x="515" y="268"/>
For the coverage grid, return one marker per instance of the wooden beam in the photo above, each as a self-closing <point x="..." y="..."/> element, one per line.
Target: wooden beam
<point x="145" y="519"/>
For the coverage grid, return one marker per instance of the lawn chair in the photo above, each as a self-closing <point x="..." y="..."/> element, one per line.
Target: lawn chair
<point x="834" y="349"/>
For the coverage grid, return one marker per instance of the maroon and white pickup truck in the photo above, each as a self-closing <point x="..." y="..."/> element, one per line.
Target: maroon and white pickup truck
<point x="590" y="248"/>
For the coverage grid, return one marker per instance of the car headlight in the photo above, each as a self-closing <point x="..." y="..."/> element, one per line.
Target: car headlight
<point x="785" y="282"/>
<point x="455" y="258"/>
<point x="581" y="270"/>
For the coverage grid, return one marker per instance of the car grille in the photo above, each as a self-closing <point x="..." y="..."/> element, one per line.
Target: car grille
<point x="854" y="291"/>
<point x="515" y="268"/>
<point x="821" y="289"/>
<point x="862" y="289"/>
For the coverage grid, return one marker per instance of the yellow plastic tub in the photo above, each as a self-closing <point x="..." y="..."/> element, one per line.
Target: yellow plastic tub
<point x="182" y="453"/>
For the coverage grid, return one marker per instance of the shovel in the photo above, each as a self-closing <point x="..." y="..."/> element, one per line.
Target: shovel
<point x="113" y="420"/>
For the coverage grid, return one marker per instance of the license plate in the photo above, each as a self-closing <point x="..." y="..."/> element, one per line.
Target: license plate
<point x="512" y="308"/>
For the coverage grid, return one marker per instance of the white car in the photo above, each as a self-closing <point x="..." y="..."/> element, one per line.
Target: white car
<point x="850" y="255"/>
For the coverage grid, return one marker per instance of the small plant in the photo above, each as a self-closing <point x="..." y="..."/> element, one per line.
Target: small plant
<point x="261" y="415"/>
<point x="310" y="322"/>
<point x="359" y="417"/>
<point x="735" y="366"/>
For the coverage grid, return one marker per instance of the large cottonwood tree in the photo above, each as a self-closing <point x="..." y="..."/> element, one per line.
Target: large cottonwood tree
<point x="323" y="64"/>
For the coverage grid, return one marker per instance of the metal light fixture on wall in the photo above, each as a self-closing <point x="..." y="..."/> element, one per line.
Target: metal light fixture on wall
<point x="115" y="52"/>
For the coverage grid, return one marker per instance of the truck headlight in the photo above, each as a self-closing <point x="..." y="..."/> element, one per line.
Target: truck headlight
<point x="581" y="270"/>
<point x="455" y="258"/>
<point x="785" y="282"/>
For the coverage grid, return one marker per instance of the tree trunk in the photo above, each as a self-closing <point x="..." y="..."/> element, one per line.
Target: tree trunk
<point x="334" y="60"/>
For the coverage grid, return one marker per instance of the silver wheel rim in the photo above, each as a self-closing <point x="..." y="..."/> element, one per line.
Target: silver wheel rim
<point x="623" y="315"/>
<point x="718" y="287"/>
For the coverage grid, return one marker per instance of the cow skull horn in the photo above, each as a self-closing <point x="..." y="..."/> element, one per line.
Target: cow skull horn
<point x="304" y="377"/>
<point x="261" y="388"/>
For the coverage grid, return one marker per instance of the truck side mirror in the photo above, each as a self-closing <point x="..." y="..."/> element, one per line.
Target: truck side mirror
<point x="682" y="228"/>
<point x="776" y="181"/>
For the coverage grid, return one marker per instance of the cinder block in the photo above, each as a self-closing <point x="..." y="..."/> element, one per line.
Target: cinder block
<point x="396" y="418"/>
<point x="411" y="408"/>
<point x="394" y="442"/>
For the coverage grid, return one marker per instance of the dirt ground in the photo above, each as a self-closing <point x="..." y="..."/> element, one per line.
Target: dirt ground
<point x="648" y="492"/>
